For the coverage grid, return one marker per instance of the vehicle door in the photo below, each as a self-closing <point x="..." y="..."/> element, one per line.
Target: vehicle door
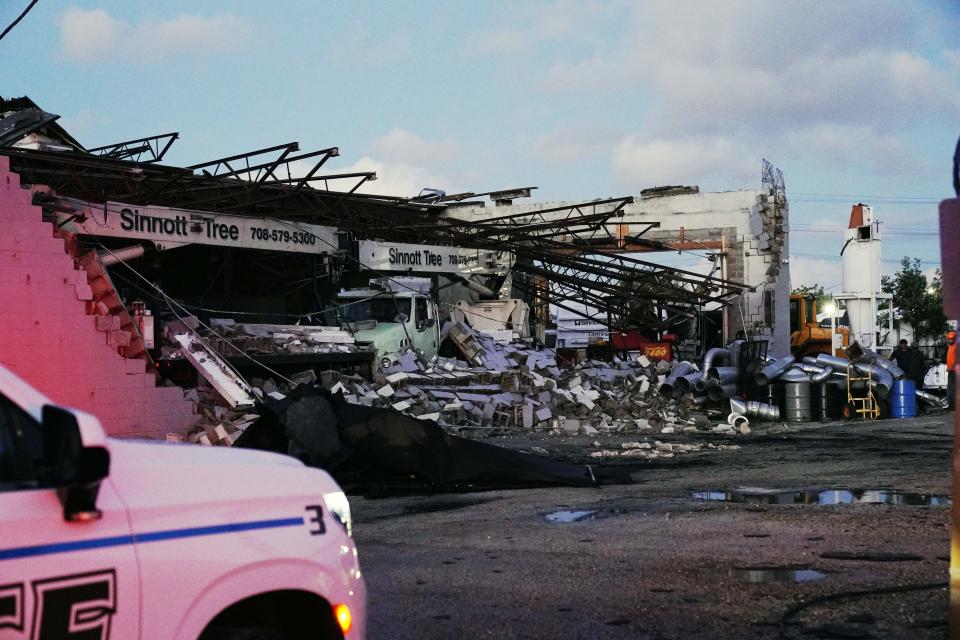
<point x="59" y="579"/>
<point x="427" y="337"/>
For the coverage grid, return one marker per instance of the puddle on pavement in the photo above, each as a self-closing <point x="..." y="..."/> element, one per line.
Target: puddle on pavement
<point x="825" y="497"/>
<point x="566" y="517"/>
<point x="762" y="575"/>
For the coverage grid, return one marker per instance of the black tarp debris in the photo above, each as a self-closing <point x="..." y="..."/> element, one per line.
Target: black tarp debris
<point x="325" y="431"/>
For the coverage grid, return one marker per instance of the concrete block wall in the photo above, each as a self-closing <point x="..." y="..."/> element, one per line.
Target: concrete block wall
<point x="48" y="338"/>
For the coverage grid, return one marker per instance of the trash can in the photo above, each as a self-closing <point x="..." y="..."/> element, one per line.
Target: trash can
<point x="904" y="399"/>
<point x="797" y="402"/>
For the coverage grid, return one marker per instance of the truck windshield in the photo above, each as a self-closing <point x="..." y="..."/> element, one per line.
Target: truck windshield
<point x="379" y="309"/>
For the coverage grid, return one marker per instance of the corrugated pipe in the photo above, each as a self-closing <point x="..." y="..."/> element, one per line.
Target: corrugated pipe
<point x="809" y="360"/>
<point x="819" y="374"/>
<point x="713" y="354"/>
<point x="823" y="376"/>
<point x="932" y="399"/>
<point x="666" y="389"/>
<point x="721" y="391"/>
<point x="880" y="378"/>
<point x="774" y="370"/>
<point x="738" y="421"/>
<point x="723" y="375"/>
<point x="700" y="386"/>
<point x="889" y="365"/>
<point x="685" y="383"/>
<point x="892" y="367"/>
<point x="795" y="374"/>
<point x="752" y="408"/>
<point x="838" y="364"/>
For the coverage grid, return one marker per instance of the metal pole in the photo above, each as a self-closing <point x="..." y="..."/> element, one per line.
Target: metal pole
<point x="950" y="260"/>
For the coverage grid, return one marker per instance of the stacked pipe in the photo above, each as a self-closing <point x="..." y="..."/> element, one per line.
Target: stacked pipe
<point x="667" y="389"/>
<point x="754" y="409"/>
<point x="720" y="382"/>
<point x="880" y="378"/>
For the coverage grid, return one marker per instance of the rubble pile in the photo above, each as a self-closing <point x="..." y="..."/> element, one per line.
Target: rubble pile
<point x="261" y="339"/>
<point x="229" y="338"/>
<point x="219" y="424"/>
<point x="511" y="386"/>
<point x="656" y="449"/>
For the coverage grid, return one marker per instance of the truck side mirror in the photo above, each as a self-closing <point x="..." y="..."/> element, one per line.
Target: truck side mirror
<point x="75" y="470"/>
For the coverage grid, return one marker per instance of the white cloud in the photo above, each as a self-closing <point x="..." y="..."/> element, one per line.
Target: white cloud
<point x="89" y="36"/>
<point x="574" y="143"/>
<point x="832" y="84"/>
<point x="640" y="162"/>
<point x="562" y="20"/>
<point x="712" y="67"/>
<point x="853" y="146"/>
<point x="806" y="271"/>
<point x="399" y="178"/>
<point x="402" y="145"/>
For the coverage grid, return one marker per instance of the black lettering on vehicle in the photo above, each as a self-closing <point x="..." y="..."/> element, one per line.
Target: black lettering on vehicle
<point x="317" y="519"/>
<point x="78" y="607"/>
<point x="11" y="606"/>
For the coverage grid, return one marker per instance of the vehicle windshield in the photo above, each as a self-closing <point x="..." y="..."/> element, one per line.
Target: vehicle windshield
<point x="379" y="309"/>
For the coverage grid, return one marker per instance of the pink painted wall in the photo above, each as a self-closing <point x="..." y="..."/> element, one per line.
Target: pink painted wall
<point x="47" y="338"/>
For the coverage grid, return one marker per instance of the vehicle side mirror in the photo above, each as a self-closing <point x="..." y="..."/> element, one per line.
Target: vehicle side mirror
<point x="75" y="470"/>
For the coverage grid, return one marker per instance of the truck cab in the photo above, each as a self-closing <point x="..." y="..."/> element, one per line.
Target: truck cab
<point x="106" y="538"/>
<point x="394" y="314"/>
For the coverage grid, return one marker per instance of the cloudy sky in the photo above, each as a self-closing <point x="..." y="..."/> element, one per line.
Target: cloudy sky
<point x="854" y="101"/>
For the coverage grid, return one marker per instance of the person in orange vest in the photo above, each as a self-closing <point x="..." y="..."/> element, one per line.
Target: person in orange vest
<point x="951" y="368"/>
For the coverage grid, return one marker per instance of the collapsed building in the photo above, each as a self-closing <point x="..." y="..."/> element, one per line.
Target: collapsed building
<point x="112" y="257"/>
<point x="746" y="233"/>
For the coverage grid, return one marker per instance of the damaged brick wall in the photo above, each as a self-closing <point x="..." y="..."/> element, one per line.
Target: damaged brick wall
<point x="48" y="338"/>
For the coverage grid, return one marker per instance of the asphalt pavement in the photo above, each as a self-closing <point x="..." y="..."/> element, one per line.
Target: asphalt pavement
<point x="813" y="531"/>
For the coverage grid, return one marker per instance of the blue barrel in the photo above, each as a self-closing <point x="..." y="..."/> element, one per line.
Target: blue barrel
<point x="903" y="401"/>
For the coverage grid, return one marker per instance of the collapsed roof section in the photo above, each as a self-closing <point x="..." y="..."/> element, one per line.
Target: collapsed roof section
<point x="557" y="259"/>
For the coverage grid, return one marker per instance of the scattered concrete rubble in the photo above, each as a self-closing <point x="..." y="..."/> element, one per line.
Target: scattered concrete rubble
<point x="499" y="387"/>
<point x="495" y="387"/>
<point x="656" y="449"/>
<point x="228" y="338"/>
<point x="511" y="386"/>
<point x="256" y="339"/>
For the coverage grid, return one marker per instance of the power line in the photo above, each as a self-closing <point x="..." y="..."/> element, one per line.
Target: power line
<point x="899" y="232"/>
<point x="836" y="257"/>
<point x="19" y="18"/>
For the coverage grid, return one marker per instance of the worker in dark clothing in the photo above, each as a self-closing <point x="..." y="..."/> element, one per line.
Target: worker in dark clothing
<point x="910" y="359"/>
<point x="902" y="355"/>
<point x="915" y="368"/>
